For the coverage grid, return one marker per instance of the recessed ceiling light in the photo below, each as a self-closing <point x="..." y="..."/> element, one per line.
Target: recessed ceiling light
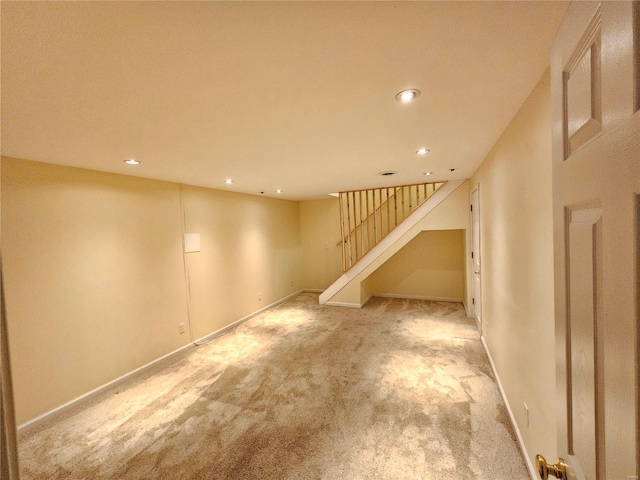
<point x="406" y="96"/>
<point x="422" y="151"/>
<point x="131" y="161"/>
<point x="428" y="173"/>
<point x="278" y="191"/>
<point x="228" y="181"/>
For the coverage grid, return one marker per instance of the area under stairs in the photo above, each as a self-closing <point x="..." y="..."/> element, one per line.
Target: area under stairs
<point x="350" y="289"/>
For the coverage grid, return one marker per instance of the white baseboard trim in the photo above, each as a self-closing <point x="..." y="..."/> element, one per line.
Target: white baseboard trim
<point x="472" y="316"/>
<point x="221" y="331"/>
<point x="349" y="305"/>
<point x="419" y="297"/>
<point x="342" y="304"/>
<point x="523" y="449"/>
<point x="27" y="426"/>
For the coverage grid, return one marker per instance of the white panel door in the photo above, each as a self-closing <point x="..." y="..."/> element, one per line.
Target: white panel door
<point x="596" y="186"/>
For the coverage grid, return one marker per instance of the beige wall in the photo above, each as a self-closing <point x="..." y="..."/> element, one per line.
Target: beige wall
<point x="431" y="266"/>
<point x="249" y="257"/>
<point x="95" y="276"/>
<point x="517" y="267"/>
<point x="320" y="240"/>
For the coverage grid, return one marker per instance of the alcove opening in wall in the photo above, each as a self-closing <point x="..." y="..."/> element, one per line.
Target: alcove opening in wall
<point x="429" y="267"/>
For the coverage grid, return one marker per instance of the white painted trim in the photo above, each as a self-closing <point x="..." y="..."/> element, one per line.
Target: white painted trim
<point x="532" y="471"/>
<point x="471" y="272"/>
<point x="342" y="304"/>
<point x="350" y="305"/>
<point x="27" y="426"/>
<point x="469" y="313"/>
<point x="207" y="338"/>
<point x="419" y="297"/>
<point x="441" y="194"/>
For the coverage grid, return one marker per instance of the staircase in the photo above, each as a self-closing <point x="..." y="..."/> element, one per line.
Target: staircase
<point x="368" y="216"/>
<point x="361" y="256"/>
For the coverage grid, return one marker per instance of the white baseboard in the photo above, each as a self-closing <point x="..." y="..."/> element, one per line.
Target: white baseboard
<point x="349" y="305"/>
<point x="25" y="427"/>
<point x="419" y="297"/>
<point x="391" y="295"/>
<point x="342" y="304"/>
<point x="218" y="333"/>
<point x="366" y="300"/>
<point x="523" y="449"/>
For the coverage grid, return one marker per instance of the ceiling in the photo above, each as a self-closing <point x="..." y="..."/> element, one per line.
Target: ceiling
<point x="297" y="96"/>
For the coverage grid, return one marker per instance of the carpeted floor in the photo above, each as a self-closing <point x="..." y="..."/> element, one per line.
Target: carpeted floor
<point x="400" y="389"/>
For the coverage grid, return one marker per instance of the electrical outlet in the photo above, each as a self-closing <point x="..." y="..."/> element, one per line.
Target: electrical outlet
<point x="181" y="327"/>
<point x="526" y="414"/>
<point x="259" y="297"/>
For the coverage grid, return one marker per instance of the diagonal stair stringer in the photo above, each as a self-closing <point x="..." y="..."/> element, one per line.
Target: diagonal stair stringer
<point x="347" y="290"/>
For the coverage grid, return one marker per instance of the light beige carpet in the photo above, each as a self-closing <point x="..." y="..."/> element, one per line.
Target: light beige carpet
<point x="400" y="389"/>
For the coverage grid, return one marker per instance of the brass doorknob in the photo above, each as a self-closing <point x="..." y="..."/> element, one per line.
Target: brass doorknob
<point x="559" y="470"/>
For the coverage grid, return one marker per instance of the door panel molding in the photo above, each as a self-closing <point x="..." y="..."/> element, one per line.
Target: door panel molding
<point x="585" y="374"/>
<point x="582" y="89"/>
